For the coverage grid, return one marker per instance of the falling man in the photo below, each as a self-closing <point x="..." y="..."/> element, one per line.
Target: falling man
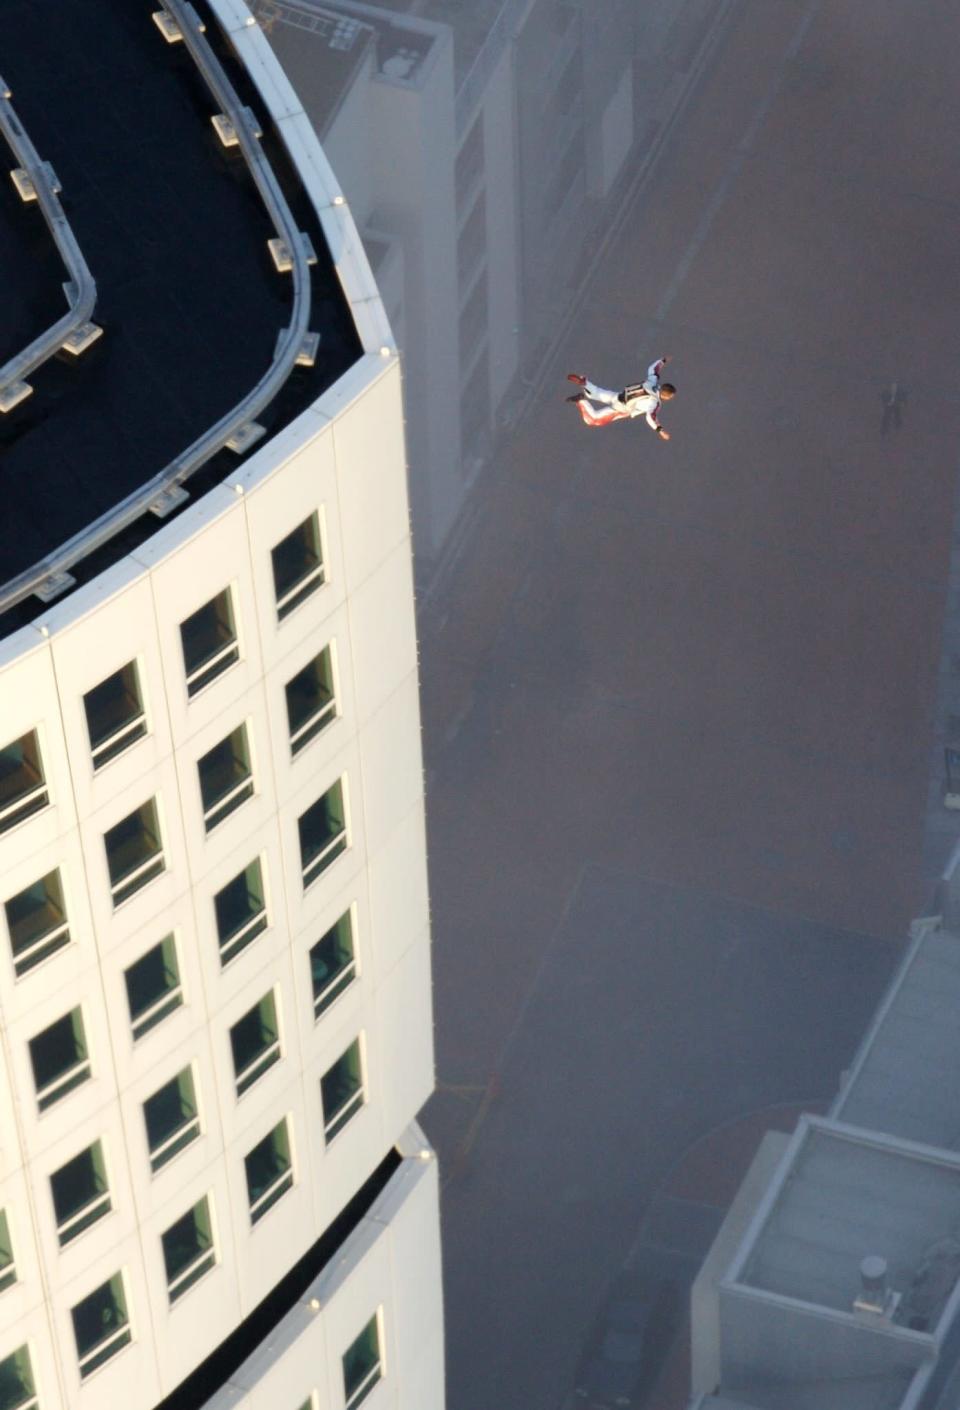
<point x="600" y="407"/>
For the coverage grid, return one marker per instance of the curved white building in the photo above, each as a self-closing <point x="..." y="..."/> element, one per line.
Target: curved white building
<point x="214" y="930"/>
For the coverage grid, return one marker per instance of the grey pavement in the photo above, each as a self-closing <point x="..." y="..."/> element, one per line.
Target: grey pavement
<point x="678" y="698"/>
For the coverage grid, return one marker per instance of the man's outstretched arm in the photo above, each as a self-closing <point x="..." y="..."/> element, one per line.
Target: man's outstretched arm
<point x="654" y="424"/>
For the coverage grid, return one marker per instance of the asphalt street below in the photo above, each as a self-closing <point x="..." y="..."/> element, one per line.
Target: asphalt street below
<point x="678" y="697"/>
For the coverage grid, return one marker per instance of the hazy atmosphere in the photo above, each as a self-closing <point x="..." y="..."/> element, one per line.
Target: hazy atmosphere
<point x="681" y="700"/>
<point x="480" y="705"/>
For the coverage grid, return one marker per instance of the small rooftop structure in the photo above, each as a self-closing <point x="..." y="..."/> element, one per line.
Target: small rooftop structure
<point x="845" y="1197"/>
<point x="846" y="1281"/>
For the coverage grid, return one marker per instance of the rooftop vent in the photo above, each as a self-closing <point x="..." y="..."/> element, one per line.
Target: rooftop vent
<point x="875" y="1299"/>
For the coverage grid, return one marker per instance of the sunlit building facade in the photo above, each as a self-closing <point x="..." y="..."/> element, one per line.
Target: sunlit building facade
<point x="214" y="930"/>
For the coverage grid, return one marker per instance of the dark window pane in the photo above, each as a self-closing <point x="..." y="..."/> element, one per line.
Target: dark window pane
<point x="134" y="852"/>
<point x="332" y="965"/>
<point x="310" y="700"/>
<point x="171" y="1119"/>
<point x="114" y="712"/>
<point x="322" y="833"/>
<point x="268" y="1170"/>
<point x="361" y="1365"/>
<point x="16" y="1380"/>
<point x="80" y="1194"/>
<point x="100" y="1325"/>
<point x="297" y="566"/>
<point x="37" y="922"/>
<point x="22" y="790"/>
<point x="8" y="1269"/>
<point x="188" y="1250"/>
<point x="59" y="1058"/>
<point x="241" y="912"/>
<point x="225" y="780"/>
<point x="209" y="642"/>
<point x="254" y="1041"/>
<point x="153" y="987"/>
<point x="341" y="1091"/>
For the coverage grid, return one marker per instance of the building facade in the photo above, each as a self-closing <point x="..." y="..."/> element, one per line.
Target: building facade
<point x="215" y="978"/>
<point x="834" y="1282"/>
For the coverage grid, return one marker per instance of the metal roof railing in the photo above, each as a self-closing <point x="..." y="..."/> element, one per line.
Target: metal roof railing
<point x="51" y="576"/>
<point x="37" y="178"/>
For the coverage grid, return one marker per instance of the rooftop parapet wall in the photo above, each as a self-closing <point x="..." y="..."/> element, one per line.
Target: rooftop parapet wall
<point x="114" y="490"/>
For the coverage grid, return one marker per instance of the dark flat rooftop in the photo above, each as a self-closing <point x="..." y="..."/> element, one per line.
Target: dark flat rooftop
<point x="175" y="235"/>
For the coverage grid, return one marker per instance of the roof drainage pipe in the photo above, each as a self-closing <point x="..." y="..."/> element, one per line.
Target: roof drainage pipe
<point x="51" y="576"/>
<point x="35" y="179"/>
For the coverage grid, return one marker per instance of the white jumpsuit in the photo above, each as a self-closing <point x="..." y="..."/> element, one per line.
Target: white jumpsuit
<point x="600" y="407"/>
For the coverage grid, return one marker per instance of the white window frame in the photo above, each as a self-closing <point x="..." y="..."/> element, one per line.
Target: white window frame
<point x="44" y="1094"/>
<point x="345" y="977"/>
<point x="126" y="1331"/>
<point x="38" y="944"/>
<point x="342" y="980"/>
<point x="264" y="1060"/>
<point x="229" y="948"/>
<point x="208" y="665"/>
<point x="267" y="1196"/>
<point x="82" y="1213"/>
<point x="192" y="1125"/>
<point x="119" y="734"/>
<point x="330" y="709"/>
<point x="63" y="1080"/>
<point x="208" y="1256"/>
<point x="315" y="868"/>
<point x="124" y="882"/>
<point x="175" y="994"/>
<point x="255" y="1070"/>
<point x="32" y="1401"/>
<point x="158" y="858"/>
<point x="218" y="656"/>
<point x="303" y="585"/>
<point x="111" y="741"/>
<point x="26" y="799"/>
<point x="8" y="1273"/>
<point x="345" y="1114"/>
<point x="326" y="714"/>
<point x="98" y="1200"/>
<point x="375" y="1373"/>
<point x="22" y="802"/>
<point x="210" y="818"/>
<point x="21" y="962"/>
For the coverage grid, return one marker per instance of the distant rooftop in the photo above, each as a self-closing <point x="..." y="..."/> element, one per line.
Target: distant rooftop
<point x="321" y="51"/>
<point x="470" y="20"/>
<point x="846" y="1197"/>
<point x="175" y="232"/>
<point x="906" y="1079"/>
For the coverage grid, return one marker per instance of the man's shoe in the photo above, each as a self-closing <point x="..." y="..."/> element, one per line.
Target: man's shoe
<point x="577" y="397"/>
<point x="575" y="377"/>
